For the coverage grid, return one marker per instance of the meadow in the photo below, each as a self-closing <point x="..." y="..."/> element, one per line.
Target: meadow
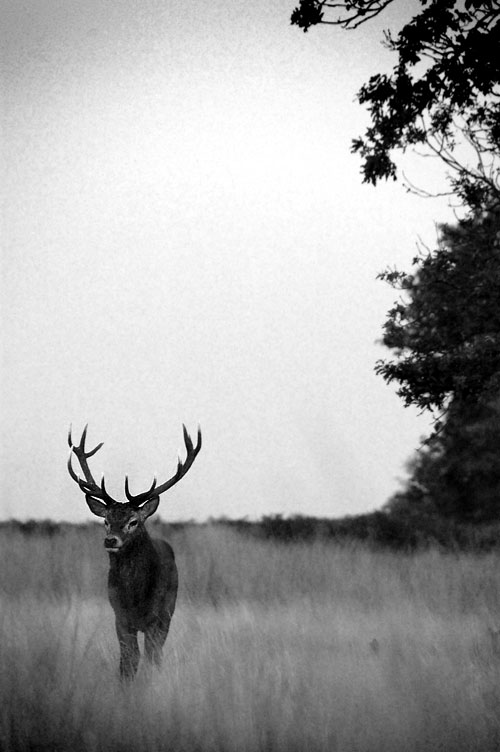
<point x="299" y="646"/>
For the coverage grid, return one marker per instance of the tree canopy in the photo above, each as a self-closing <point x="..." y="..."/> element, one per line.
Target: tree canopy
<point x="444" y="90"/>
<point x="445" y="329"/>
<point x="444" y="333"/>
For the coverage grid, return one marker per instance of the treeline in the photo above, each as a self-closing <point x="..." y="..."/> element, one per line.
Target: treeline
<point x="380" y="529"/>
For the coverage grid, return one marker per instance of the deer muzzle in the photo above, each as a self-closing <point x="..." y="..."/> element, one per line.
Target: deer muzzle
<point x="112" y="544"/>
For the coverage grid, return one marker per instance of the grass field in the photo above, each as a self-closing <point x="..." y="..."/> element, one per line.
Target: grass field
<point x="273" y="647"/>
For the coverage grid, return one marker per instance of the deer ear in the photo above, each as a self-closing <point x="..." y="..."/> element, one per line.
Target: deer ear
<point x="149" y="508"/>
<point x="96" y="507"/>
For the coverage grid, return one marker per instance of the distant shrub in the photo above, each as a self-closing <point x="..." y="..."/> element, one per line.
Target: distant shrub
<point x="32" y="527"/>
<point x="289" y="528"/>
<point x="380" y="529"/>
<point x="398" y="530"/>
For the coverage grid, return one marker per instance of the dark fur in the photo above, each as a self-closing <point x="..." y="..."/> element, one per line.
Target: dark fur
<point x="142" y="584"/>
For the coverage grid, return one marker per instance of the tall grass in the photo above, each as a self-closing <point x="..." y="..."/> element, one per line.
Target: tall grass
<point x="273" y="647"/>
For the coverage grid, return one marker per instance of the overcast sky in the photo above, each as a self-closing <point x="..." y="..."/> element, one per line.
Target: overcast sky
<point x="187" y="239"/>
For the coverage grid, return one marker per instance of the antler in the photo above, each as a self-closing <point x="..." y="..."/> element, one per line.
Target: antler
<point x="88" y="486"/>
<point x="182" y="468"/>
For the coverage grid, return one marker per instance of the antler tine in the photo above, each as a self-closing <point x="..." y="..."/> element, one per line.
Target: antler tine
<point x="105" y="495"/>
<point x="182" y="468"/>
<point x="80" y="449"/>
<point x="70" y="467"/>
<point x="84" y="485"/>
<point x="187" y="438"/>
<point x="89" y="485"/>
<point x="137" y="499"/>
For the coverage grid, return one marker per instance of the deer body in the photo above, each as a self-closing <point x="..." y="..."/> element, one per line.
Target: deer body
<point x="142" y="585"/>
<point x="142" y="579"/>
<point x="142" y="589"/>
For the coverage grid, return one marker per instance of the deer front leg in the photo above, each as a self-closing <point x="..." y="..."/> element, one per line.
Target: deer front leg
<point x="154" y="639"/>
<point x="129" y="650"/>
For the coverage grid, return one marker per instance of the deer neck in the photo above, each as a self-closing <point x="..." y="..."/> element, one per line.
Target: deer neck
<point x="138" y="556"/>
<point x="132" y="580"/>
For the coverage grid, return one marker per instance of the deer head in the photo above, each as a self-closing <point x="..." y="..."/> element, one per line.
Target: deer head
<point x="124" y="520"/>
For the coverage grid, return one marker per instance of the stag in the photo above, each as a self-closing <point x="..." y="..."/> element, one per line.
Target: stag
<point x="142" y="579"/>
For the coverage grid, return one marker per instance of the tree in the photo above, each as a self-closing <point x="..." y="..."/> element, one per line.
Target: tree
<point x="444" y="91"/>
<point x="456" y="475"/>
<point x="445" y="330"/>
<point x="445" y="335"/>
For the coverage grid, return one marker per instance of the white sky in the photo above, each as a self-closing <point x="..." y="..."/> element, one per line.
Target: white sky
<point x="186" y="239"/>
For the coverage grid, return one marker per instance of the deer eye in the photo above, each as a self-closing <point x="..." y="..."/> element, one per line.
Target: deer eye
<point x="132" y="523"/>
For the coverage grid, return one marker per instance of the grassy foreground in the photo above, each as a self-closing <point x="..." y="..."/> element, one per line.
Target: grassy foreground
<point x="296" y="647"/>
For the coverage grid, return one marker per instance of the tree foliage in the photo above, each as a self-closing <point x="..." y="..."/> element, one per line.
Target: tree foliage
<point x="445" y="335"/>
<point x="443" y="91"/>
<point x="456" y="475"/>
<point x="445" y="328"/>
